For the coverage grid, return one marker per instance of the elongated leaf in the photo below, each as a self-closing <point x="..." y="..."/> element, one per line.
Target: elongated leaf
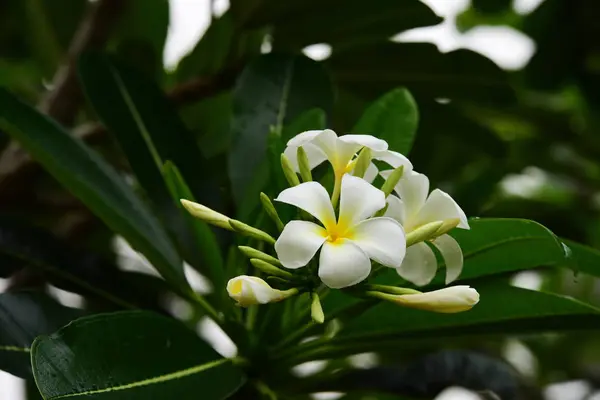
<point x="394" y="118"/>
<point x="370" y="70"/>
<point x="130" y="355"/>
<point x="23" y="317"/>
<point x="582" y="258"/>
<point x="204" y="239"/>
<point x="271" y="91"/>
<point x="502" y="309"/>
<point x="93" y="181"/>
<point x="311" y="119"/>
<point x="70" y="268"/>
<point x="340" y="21"/>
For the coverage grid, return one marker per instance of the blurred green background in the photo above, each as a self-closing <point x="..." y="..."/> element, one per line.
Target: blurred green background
<point x="510" y="129"/>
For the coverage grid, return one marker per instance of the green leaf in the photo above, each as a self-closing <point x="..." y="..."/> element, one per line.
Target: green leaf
<point x="340" y="21"/>
<point x="94" y="182"/>
<point x="204" y="239"/>
<point x="502" y="310"/>
<point x="582" y="258"/>
<point x="308" y="120"/>
<point x="130" y="355"/>
<point x="394" y="118"/>
<point x="270" y="92"/>
<point x="23" y="317"/>
<point x="370" y="70"/>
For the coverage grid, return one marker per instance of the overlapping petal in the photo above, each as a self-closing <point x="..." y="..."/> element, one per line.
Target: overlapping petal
<point x="439" y="207"/>
<point x="314" y="154"/>
<point x="419" y="265"/>
<point x="382" y="239"/>
<point x="452" y="254"/>
<point x="342" y="264"/>
<point x="359" y="200"/>
<point x="312" y="198"/>
<point x="412" y="189"/>
<point x="298" y="243"/>
<point x="396" y="209"/>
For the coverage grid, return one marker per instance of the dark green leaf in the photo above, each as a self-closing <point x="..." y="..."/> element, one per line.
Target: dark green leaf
<point x="271" y="91"/>
<point x="130" y="355"/>
<point x="339" y="21"/>
<point x="582" y="258"/>
<point x="204" y="239"/>
<point x="94" y="182"/>
<point x="371" y="70"/>
<point x="308" y="120"/>
<point x="394" y="118"/>
<point x="23" y="317"/>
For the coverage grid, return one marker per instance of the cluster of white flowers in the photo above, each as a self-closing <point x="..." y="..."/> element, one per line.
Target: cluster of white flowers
<point x="394" y="226"/>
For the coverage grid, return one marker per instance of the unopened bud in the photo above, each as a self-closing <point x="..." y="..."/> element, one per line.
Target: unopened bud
<point x="206" y="214"/>
<point x="250" y="290"/>
<point x="304" y="165"/>
<point x="270" y="210"/>
<point x="447" y="226"/>
<point x="423" y="233"/>
<point x="452" y="299"/>
<point x="316" y="310"/>
<point x="362" y="162"/>
<point x="250" y="231"/>
<point x="392" y="180"/>
<point x="288" y="171"/>
<point x="253" y="253"/>
<point x="269" y="269"/>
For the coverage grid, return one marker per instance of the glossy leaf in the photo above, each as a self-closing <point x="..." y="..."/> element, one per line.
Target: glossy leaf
<point x="23" y="317"/>
<point x="582" y="258"/>
<point x="340" y="21"/>
<point x="394" y="117"/>
<point x="130" y="355"/>
<point x="370" y="70"/>
<point x="94" y="182"/>
<point x="271" y="91"/>
<point x="502" y="310"/>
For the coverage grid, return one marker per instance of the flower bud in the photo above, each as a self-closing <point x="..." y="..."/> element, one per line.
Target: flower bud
<point x="250" y="290"/>
<point x="423" y="233"/>
<point x="392" y="180"/>
<point x="304" y="165"/>
<point x="362" y="162"/>
<point x="452" y="299"/>
<point x="447" y="226"/>
<point x="288" y="171"/>
<point x="206" y="214"/>
<point x="250" y="231"/>
<point x="270" y="269"/>
<point x="270" y="210"/>
<point x="316" y="310"/>
<point x="253" y="253"/>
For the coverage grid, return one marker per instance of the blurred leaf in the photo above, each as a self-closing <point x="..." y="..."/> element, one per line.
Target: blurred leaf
<point x="211" y="51"/>
<point x="394" y="118"/>
<point x="584" y="258"/>
<point x="308" y="120"/>
<point x="371" y="70"/>
<point x="204" y="239"/>
<point x="502" y="309"/>
<point x="142" y="32"/>
<point x="94" y="182"/>
<point x="271" y="91"/>
<point x="133" y="355"/>
<point x="42" y="37"/>
<point x="337" y="21"/>
<point x="492" y="6"/>
<point x="23" y="317"/>
<point x="70" y="268"/>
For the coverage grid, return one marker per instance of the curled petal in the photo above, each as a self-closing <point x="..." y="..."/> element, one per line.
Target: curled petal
<point x="395" y="209"/>
<point x="452" y="254"/>
<point x="448" y="300"/>
<point x="369" y="141"/>
<point x="419" y="265"/>
<point x="249" y="290"/>
<point x="312" y="198"/>
<point x="305" y="137"/>
<point x="343" y="264"/>
<point x="439" y="207"/>
<point x="298" y="243"/>
<point x="358" y="201"/>
<point x="382" y="239"/>
<point x="314" y="154"/>
<point x="371" y="173"/>
<point x="394" y="159"/>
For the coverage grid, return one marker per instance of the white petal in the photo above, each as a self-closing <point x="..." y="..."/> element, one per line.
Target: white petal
<point x="326" y="141"/>
<point x="343" y="264"/>
<point x="419" y="265"/>
<point x="371" y="173"/>
<point x="313" y="153"/>
<point x="304" y="138"/>
<point x="452" y="254"/>
<point x="448" y="300"/>
<point x="394" y="159"/>
<point x="382" y="239"/>
<point x="312" y="198"/>
<point x="369" y="141"/>
<point x="395" y="209"/>
<point x="412" y="189"/>
<point x="439" y="207"/>
<point x="249" y="290"/>
<point x="298" y="243"/>
<point x="358" y="201"/>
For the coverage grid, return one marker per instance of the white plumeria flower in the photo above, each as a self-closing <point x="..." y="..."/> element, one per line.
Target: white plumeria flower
<point x="392" y="158"/>
<point x="346" y="245"/>
<point x="414" y="209"/>
<point x="452" y="299"/>
<point x="250" y="290"/>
